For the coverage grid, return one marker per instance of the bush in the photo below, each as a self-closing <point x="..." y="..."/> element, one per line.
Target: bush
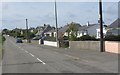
<point x="3" y="39"/>
<point x="73" y="38"/>
<point x="50" y="38"/>
<point x="87" y="37"/>
<point x="112" y="38"/>
<point x="64" y="44"/>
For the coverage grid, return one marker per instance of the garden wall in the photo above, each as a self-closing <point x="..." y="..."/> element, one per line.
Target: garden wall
<point x="85" y="45"/>
<point x="50" y="43"/>
<point x="109" y="46"/>
<point x="112" y="46"/>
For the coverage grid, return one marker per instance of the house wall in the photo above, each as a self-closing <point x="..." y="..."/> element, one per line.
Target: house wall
<point x="50" y="43"/>
<point x="92" y="30"/>
<point x="98" y="32"/>
<point x="113" y="32"/>
<point x="81" y="33"/>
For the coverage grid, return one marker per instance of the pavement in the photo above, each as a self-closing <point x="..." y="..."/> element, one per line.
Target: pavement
<point x="33" y="58"/>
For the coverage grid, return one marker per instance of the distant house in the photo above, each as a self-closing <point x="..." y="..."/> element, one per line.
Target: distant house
<point x="104" y="32"/>
<point x="46" y="30"/>
<point x="32" y="29"/>
<point x="112" y="29"/>
<point x="64" y="30"/>
<point x="49" y="31"/>
<point x="89" y="29"/>
<point x="39" y="29"/>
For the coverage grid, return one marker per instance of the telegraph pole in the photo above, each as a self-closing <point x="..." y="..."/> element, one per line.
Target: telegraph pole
<point x="101" y="27"/>
<point x="56" y="25"/>
<point x="27" y="36"/>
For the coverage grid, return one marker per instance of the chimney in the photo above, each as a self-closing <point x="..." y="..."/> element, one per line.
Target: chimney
<point x="88" y="23"/>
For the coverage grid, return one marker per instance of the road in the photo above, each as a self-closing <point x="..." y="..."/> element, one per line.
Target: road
<point x="28" y="58"/>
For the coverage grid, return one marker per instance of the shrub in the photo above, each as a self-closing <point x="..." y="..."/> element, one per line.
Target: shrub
<point x="50" y="38"/>
<point x="3" y="39"/>
<point x="87" y="37"/>
<point x="112" y="38"/>
<point x="73" y="38"/>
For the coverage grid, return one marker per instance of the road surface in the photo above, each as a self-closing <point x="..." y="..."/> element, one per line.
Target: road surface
<point x="28" y="58"/>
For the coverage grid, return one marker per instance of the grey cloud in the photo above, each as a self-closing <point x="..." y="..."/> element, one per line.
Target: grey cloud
<point x="119" y="9"/>
<point x="113" y="9"/>
<point x="72" y="15"/>
<point x="48" y="17"/>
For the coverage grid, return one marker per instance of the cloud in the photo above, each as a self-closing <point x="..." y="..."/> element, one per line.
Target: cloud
<point x="48" y="17"/>
<point x="72" y="16"/>
<point x="112" y="9"/>
<point x="119" y="9"/>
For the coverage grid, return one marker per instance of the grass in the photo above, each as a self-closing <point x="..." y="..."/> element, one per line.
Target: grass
<point x="2" y="39"/>
<point x="0" y="46"/>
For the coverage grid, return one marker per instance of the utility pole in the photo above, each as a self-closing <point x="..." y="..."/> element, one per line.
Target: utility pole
<point x="16" y="33"/>
<point x="27" y="36"/>
<point x="101" y="27"/>
<point x="56" y="25"/>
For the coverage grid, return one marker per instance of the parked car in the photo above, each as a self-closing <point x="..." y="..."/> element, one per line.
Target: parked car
<point x="19" y="40"/>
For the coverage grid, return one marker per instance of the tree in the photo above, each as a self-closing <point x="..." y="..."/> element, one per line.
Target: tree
<point x="72" y="30"/>
<point x="5" y="31"/>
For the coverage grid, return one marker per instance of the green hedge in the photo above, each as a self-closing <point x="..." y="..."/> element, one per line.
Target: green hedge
<point x="112" y="38"/>
<point x="3" y="38"/>
<point x="87" y="37"/>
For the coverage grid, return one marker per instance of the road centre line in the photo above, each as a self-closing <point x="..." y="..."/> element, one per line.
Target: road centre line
<point x="26" y="51"/>
<point x="31" y="54"/>
<point x="41" y="61"/>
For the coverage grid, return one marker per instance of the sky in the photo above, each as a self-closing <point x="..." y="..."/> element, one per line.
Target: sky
<point x="39" y="13"/>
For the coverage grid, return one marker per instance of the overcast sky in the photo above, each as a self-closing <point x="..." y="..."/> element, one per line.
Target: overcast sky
<point x="39" y="13"/>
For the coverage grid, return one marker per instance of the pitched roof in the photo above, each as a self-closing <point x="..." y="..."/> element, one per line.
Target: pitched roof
<point x="85" y="27"/>
<point x="115" y="24"/>
<point x="62" y="30"/>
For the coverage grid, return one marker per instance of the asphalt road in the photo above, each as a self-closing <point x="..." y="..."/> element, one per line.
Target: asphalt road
<point x="28" y="58"/>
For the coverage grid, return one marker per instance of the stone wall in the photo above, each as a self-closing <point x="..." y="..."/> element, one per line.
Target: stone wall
<point x="109" y="46"/>
<point x="112" y="46"/>
<point x="85" y="45"/>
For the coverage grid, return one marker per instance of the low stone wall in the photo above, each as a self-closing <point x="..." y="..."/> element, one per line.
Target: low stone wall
<point x="109" y="46"/>
<point x="85" y="45"/>
<point x="50" y="43"/>
<point x="112" y="46"/>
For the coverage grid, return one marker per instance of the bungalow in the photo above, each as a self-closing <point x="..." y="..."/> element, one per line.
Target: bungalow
<point x="50" y="31"/>
<point x="112" y="29"/>
<point x="46" y="30"/>
<point x="104" y="32"/>
<point x="89" y="29"/>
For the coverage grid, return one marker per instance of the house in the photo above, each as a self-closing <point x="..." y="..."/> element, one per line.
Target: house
<point x="45" y="30"/>
<point x="49" y="31"/>
<point x="104" y="32"/>
<point x="66" y="30"/>
<point x="32" y="29"/>
<point x="112" y="29"/>
<point x="89" y="29"/>
<point x="39" y="29"/>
